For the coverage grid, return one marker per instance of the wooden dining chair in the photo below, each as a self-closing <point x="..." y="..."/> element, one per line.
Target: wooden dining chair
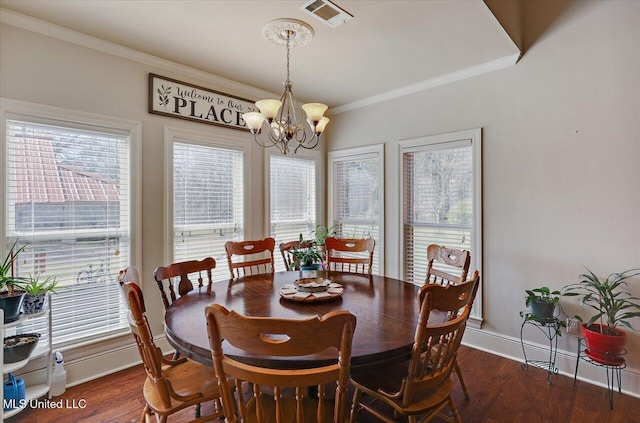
<point x="176" y="275"/>
<point x="171" y="385"/>
<point x="455" y="261"/>
<point x="247" y="265"/>
<point x="447" y="310"/>
<point x="280" y="395"/>
<point x="286" y="249"/>
<point x="422" y="386"/>
<point x="353" y="255"/>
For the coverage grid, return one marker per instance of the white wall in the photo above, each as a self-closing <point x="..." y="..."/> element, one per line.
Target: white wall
<point x="44" y="70"/>
<point x="561" y="165"/>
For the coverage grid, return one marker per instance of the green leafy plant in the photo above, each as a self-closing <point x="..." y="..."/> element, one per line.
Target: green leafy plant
<point x="543" y="294"/>
<point x="321" y="234"/>
<point x="307" y="255"/>
<point x="612" y="304"/>
<point x="34" y="285"/>
<point x="9" y="282"/>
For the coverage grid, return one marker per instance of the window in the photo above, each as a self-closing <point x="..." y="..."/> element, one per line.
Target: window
<point x="68" y="190"/>
<point x="442" y="199"/>
<point x="292" y="191"/>
<point x="207" y="203"/>
<point x="356" y="196"/>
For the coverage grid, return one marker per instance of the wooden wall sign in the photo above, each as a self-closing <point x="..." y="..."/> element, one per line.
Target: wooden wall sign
<point x="177" y="99"/>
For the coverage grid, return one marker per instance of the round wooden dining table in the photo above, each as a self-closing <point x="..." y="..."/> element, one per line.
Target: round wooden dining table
<point x="386" y="310"/>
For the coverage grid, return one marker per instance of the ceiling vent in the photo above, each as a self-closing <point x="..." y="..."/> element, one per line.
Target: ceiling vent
<point x="327" y="12"/>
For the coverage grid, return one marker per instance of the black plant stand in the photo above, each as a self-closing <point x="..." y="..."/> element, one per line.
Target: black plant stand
<point x="549" y="327"/>
<point x="613" y="366"/>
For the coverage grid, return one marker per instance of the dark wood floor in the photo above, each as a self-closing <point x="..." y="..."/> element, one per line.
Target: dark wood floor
<point x="500" y="392"/>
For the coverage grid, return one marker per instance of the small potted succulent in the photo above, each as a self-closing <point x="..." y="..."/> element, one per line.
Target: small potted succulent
<point x="36" y="290"/>
<point x="542" y="302"/>
<point x="11" y="295"/>
<point x="613" y="307"/>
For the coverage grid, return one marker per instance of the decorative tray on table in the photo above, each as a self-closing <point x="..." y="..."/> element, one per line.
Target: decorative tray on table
<point x="311" y="290"/>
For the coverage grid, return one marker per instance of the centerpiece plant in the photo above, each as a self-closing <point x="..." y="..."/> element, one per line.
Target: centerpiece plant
<point x="613" y="308"/>
<point x="311" y="253"/>
<point x="307" y="257"/>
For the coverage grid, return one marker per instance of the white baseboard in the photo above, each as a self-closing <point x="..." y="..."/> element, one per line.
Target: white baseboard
<point x="98" y="365"/>
<point x="511" y="348"/>
<point x="95" y="360"/>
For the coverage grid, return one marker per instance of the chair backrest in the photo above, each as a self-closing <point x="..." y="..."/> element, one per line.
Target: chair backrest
<point x="458" y="260"/>
<point x="178" y="274"/>
<point x="265" y="336"/>
<point x="150" y="354"/>
<point x="346" y="254"/>
<point x="128" y="274"/>
<point x="450" y="298"/>
<point x="435" y="345"/>
<point x="250" y="266"/>
<point x="286" y="249"/>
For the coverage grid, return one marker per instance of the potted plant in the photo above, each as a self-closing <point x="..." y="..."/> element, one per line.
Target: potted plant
<point x="11" y="295"/>
<point x="613" y="308"/>
<point x="307" y="257"/>
<point x="321" y="234"/>
<point x="36" y="292"/>
<point x="542" y="302"/>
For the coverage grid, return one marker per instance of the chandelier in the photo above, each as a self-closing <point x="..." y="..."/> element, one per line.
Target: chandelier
<point x="285" y="122"/>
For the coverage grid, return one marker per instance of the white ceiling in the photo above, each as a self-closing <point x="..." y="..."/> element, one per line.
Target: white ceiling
<point x="387" y="47"/>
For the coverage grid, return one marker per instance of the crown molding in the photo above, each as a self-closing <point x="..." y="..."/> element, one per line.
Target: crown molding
<point x="55" y="31"/>
<point x="237" y="88"/>
<point x="465" y="73"/>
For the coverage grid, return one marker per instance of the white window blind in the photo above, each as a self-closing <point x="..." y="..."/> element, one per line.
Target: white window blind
<point x="356" y="186"/>
<point x="293" y="199"/>
<point x="208" y="202"/>
<point x="438" y="203"/>
<point x="68" y="203"/>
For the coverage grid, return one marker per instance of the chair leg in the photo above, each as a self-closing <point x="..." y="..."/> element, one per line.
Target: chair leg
<point x="354" y="405"/>
<point x="459" y="374"/>
<point x="146" y="412"/>
<point x="454" y="410"/>
<point x="197" y="411"/>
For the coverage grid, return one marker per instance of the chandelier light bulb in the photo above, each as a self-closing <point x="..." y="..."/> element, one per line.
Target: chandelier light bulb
<point x="269" y="108"/>
<point x="254" y="121"/>
<point x="321" y="125"/>
<point x="314" y="111"/>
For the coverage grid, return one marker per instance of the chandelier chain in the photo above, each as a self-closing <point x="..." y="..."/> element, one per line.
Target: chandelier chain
<point x="288" y="56"/>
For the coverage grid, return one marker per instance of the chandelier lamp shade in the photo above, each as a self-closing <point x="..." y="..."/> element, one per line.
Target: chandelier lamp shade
<point x="283" y="123"/>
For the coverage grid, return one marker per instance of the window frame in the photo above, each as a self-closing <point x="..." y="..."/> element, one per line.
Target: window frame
<point x="351" y="154"/>
<point x="207" y="139"/>
<point x="423" y="144"/>
<point x="77" y="119"/>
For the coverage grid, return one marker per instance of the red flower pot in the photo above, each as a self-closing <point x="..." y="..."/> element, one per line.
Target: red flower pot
<point x="603" y="347"/>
